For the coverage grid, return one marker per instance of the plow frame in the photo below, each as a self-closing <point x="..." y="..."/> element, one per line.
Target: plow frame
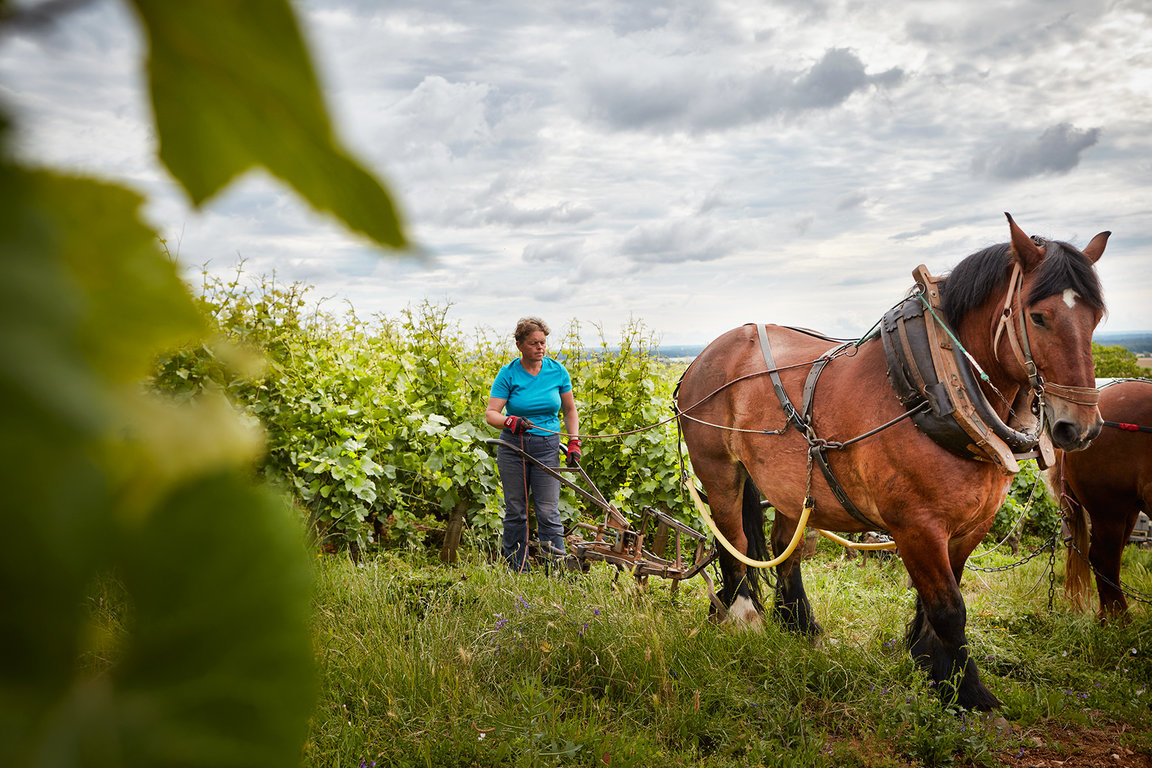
<point x="657" y="545"/>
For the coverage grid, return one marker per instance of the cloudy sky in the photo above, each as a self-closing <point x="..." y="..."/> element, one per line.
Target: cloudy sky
<point x="694" y="165"/>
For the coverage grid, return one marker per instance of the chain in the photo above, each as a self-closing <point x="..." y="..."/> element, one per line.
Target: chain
<point x="1026" y="510"/>
<point x="1052" y="570"/>
<point x="808" y="500"/>
<point x="1140" y="597"/>
<point x="1050" y="545"/>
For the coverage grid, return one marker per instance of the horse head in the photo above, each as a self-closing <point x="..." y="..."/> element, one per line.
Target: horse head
<point x="1043" y="336"/>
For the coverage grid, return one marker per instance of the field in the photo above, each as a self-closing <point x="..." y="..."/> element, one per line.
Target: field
<point x="423" y="664"/>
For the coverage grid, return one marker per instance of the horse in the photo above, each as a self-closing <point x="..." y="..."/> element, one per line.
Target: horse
<point x="746" y="438"/>
<point x="1110" y="483"/>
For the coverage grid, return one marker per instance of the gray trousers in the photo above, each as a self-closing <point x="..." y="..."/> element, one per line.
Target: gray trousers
<point x="520" y="479"/>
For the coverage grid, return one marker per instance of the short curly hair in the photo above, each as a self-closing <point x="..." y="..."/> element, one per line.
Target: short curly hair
<point x="526" y="326"/>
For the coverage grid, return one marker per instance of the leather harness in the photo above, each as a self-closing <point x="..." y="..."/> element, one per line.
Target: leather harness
<point x="932" y="377"/>
<point x="817" y="448"/>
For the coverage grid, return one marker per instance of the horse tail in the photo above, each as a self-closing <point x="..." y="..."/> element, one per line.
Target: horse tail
<point x="753" y="521"/>
<point x="1077" y="571"/>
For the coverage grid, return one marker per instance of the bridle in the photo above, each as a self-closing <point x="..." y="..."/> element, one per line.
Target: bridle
<point x="1022" y="350"/>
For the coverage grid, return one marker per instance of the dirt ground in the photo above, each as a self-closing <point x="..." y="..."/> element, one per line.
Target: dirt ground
<point x="1075" y="747"/>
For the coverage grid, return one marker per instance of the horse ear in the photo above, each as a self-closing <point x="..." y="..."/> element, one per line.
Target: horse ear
<point x="1095" y="249"/>
<point x="1024" y="250"/>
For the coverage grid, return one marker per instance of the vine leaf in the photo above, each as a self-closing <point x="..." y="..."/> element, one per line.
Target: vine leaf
<point x="243" y="688"/>
<point x="89" y="297"/>
<point x="233" y="89"/>
<point x="214" y="665"/>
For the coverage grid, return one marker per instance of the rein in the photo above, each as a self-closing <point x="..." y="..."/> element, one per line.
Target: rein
<point x="1127" y="427"/>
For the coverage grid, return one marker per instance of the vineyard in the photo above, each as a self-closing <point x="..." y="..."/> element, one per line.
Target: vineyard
<point x="376" y="426"/>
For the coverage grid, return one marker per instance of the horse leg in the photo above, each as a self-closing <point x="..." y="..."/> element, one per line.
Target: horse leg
<point x="1110" y="531"/>
<point x="737" y="588"/>
<point x="936" y="635"/>
<point x="792" y="606"/>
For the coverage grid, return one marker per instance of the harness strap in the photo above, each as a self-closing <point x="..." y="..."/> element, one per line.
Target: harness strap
<point x="1075" y="395"/>
<point x="810" y="382"/>
<point x="1018" y="340"/>
<point x="819" y="455"/>
<point x="789" y="410"/>
<point x="817" y="448"/>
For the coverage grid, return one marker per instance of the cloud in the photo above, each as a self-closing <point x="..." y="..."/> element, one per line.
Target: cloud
<point x="562" y="251"/>
<point x="685" y="162"/>
<point x="436" y="111"/>
<point x="672" y="242"/>
<point x="684" y="94"/>
<point x="1057" y="150"/>
<point x="507" y="212"/>
<point x="851" y="201"/>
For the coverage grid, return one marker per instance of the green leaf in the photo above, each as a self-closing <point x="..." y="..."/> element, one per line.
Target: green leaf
<point x="218" y="670"/>
<point x="85" y="292"/>
<point x="232" y="89"/>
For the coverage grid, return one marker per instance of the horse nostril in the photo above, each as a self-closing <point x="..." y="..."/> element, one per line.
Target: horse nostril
<point x="1065" y="434"/>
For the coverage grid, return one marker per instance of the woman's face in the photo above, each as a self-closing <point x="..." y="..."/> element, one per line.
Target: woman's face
<point x="532" y="348"/>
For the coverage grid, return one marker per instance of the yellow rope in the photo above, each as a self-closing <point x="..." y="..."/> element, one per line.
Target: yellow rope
<point x="800" y="526"/>
<point x="732" y="550"/>
<point x="854" y="544"/>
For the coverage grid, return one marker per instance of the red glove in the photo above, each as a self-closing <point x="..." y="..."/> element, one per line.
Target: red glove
<point x="518" y="424"/>
<point x="574" y="452"/>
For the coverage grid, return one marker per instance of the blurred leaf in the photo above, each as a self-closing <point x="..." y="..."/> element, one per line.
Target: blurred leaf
<point x="85" y="293"/>
<point x="86" y="298"/>
<point x="226" y="678"/>
<point x="217" y="661"/>
<point x="233" y="88"/>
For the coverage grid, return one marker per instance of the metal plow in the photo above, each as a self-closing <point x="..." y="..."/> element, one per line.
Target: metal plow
<point x="656" y="545"/>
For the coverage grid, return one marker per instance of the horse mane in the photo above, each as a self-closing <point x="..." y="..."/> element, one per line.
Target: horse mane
<point x="986" y="272"/>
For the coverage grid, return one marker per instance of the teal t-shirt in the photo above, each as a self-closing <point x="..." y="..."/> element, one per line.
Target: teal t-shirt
<point x="533" y="397"/>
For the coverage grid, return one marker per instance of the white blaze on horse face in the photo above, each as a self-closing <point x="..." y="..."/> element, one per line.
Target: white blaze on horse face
<point x="1070" y="297"/>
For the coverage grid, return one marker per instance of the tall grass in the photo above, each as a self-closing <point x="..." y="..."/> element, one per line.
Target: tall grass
<point x="473" y="665"/>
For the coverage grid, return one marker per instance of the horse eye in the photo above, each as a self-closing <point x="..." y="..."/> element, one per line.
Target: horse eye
<point x="1037" y="319"/>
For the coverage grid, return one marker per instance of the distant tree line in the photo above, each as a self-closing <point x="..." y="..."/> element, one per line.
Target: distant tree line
<point x="1116" y="362"/>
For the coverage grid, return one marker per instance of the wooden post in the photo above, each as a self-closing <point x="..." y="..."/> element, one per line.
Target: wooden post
<point x="453" y="533"/>
<point x="660" y="543"/>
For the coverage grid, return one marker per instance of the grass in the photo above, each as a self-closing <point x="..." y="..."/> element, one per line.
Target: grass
<point x="428" y="665"/>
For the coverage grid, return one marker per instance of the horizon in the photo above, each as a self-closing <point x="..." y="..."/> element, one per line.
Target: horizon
<point x="1144" y="336"/>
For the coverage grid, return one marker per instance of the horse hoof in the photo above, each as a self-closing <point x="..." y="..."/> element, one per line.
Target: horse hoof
<point x="743" y="612"/>
<point x="1002" y="725"/>
<point x="979" y="701"/>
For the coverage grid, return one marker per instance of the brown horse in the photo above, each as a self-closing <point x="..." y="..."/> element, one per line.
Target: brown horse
<point x="1111" y="482"/>
<point x="937" y="505"/>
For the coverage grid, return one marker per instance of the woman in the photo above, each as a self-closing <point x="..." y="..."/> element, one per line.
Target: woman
<point x="532" y="390"/>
